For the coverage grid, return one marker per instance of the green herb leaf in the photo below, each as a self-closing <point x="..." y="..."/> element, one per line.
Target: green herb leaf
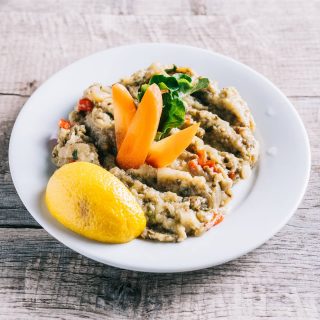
<point x="170" y="82"/>
<point x="172" y="70"/>
<point x="158" y="136"/>
<point x="167" y="98"/>
<point x="175" y="86"/>
<point x="75" y="154"/>
<point x="142" y="91"/>
<point x="182" y="76"/>
<point x="184" y="82"/>
<point x="172" y="116"/>
<point x="201" y="84"/>
<point x="184" y="85"/>
<point x="163" y="86"/>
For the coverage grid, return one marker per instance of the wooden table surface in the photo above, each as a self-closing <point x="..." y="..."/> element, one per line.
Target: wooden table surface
<point x="42" y="279"/>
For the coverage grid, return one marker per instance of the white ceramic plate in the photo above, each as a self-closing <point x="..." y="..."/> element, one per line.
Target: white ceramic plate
<point x="262" y="205"/>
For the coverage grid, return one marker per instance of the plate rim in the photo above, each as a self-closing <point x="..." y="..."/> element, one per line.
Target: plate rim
<point x="240" y="253"/>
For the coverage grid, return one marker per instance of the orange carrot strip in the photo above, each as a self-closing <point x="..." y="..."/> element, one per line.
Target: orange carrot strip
<point x="124" y="110"/>
<point x="168" y="149"/>
<point x="142" y="130"/>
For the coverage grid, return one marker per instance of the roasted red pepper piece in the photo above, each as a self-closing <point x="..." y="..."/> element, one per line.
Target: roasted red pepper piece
<point x="218" y="219"/>
<point x="231" y="175"/>
<point x="65" y="124"/>
<point x="85" y="105"/>
<point x="192" y="165"/>
<point x="202" y="157"/>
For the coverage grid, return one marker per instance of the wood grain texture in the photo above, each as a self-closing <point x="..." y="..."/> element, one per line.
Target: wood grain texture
<point x="42" y="279"/>
<point x="50" y="41"/>
<point x="45" y="278"/>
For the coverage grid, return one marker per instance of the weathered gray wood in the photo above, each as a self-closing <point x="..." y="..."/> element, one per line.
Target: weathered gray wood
<point x="277" y="46"/>
<point x="12" y="211"/>
<point x="168" y="7"/>
<point x="47" y="279"/>
<point x="42" y="279"/>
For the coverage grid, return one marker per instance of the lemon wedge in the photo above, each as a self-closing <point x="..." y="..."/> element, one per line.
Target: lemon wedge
<point x="92" y="202"/>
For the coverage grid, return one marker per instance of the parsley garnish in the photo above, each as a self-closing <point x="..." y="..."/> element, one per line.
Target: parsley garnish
<point x="75" y="154"/>
<point x="173" y="88"/>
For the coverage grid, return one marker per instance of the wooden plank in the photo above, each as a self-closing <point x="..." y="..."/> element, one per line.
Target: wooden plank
<point x="170" y="8"/>
<point x="42" y="277"/>
<point x="292" y="64"/>
<point x="12" y="211"/>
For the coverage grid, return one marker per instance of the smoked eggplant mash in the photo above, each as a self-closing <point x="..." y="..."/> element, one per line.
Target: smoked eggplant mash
<point x="188" y="196"/>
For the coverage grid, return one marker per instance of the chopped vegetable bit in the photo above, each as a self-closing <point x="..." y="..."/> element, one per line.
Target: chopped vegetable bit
<point x="202" y="157"/>
<point x="171" y="70"/>
<point x="218" y="218"/>
<point x="210" y="164"/>
<point x="65" y="124"/>
<point x="85" y="105"/>
<point x="203" y="162"/>
<point x="193" y="166"/>
<point x="232" y="175"/>
<point x="187" y="119"/>
<point x="75" y="154"/>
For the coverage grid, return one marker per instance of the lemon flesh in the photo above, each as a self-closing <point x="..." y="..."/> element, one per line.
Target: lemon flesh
<point x="92" y="202"/>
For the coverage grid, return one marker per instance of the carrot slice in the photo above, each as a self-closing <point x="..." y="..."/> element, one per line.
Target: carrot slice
<point x="168" y="149"/>
<point x="65" y="124"/>
<point x="142" y="130"/>
<point x="123" y="111"/>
